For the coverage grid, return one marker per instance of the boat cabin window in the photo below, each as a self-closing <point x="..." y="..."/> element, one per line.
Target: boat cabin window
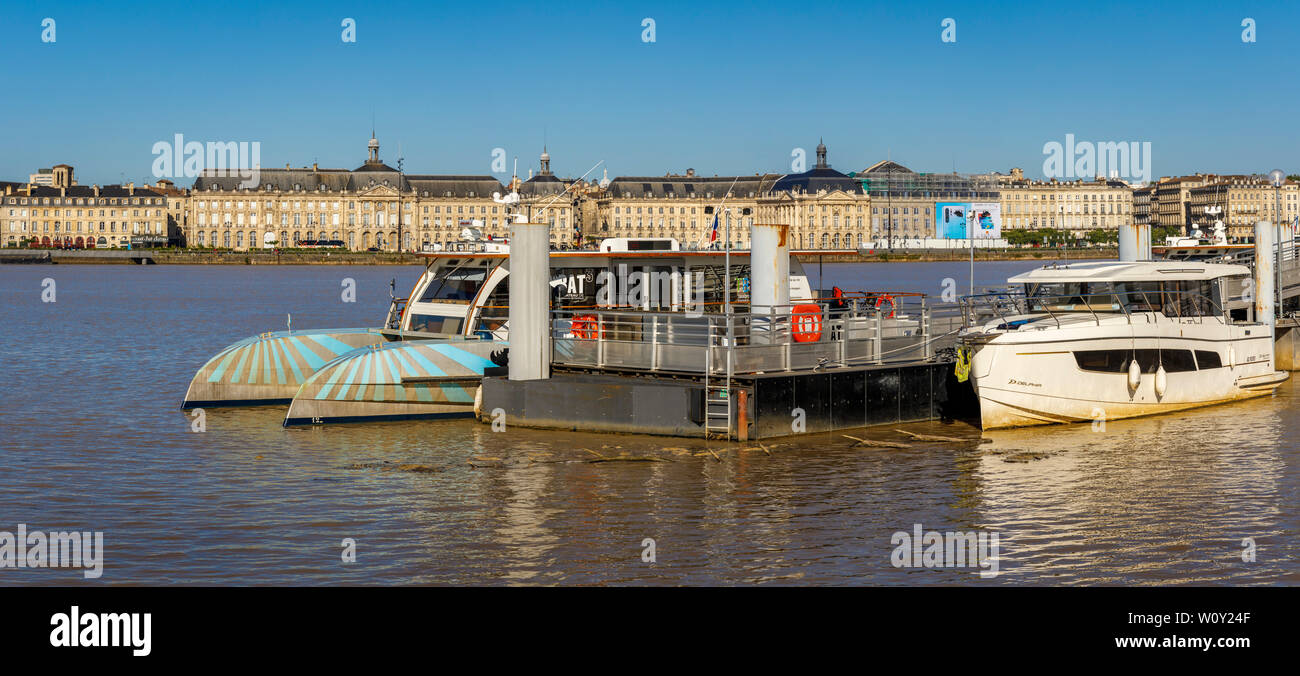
<point x="1116" y="361"/>
<point x="1206" y="359"/>
<point x="436" y="324"/>
<point x="495" y="310"/>
<point x="457" y="284"/>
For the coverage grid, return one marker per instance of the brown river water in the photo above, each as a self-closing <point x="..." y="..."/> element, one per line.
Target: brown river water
<point x="91" y="439"/>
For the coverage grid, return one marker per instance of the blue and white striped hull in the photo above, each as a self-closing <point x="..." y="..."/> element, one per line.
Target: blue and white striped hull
<point x="270" y="367"/>
<point x="395" y="381"/>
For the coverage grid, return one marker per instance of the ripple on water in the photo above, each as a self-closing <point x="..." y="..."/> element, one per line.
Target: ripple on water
<point x="91" y="439"/>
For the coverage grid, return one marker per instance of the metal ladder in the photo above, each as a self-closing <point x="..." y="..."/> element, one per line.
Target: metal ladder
<point x="717" y="397"/>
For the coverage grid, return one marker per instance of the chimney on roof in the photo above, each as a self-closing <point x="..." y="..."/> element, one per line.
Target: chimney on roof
<point x="286" y="165"/>
<point x="690" y="173"/>
<point x="95" y="187"/>
<point x="130" y="188"/>
<point x="314" y="167"/>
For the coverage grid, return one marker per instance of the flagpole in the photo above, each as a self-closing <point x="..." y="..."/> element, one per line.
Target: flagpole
<point x="726" y="298"/>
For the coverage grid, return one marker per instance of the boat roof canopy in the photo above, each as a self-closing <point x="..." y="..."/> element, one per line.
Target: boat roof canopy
<point x="1136" y="271"/>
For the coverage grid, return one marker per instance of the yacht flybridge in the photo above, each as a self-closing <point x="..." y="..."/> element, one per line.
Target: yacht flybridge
<point x="1108" y="340"/>
<point x="437" y="344"/>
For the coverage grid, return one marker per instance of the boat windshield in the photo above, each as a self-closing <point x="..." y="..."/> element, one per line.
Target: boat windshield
<point x="456" y="284"/>
<point x="1072" y="297"/>
<point x="1175" y="299"/>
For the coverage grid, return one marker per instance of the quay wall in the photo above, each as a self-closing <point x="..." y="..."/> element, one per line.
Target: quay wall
<point x="210" y="257"/>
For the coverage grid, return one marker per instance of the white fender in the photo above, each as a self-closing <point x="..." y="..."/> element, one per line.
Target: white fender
<point x="1162" y="381"/>
<point x="1134" y="375"/>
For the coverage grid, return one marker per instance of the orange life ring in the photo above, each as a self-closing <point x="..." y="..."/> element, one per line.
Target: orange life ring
<point x="807" y="323"/>
<point x="585" y="327"/>
<point x="893" y="305"/>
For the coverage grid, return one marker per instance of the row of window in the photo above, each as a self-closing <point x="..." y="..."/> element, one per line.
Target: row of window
<point x="137" y="227"/>
<point x="371" y="206"/>
<point x="239" y="239"/>
<point x="22" y="213"/>
<point x="83" y="201"/>
<point x="1174" y="361"/>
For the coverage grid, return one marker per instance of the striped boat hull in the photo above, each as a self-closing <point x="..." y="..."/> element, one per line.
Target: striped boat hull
<point x="395" y="381"/>
<point x="269" y="368"/>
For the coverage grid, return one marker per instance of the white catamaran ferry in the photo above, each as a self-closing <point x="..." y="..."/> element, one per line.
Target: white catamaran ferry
<point x="437" y="344"/>
<point x="1108" y="340"/>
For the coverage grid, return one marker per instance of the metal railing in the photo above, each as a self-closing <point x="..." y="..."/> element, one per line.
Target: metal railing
<point x="1012" y="307"/>
<point x="797" y="336"/>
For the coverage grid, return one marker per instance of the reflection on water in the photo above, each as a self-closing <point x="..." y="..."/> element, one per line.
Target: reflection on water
<point x="91" y="439"/>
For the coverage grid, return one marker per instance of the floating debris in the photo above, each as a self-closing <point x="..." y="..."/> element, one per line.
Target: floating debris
<point x="418" y="469"/>
<point x="1025" y="456"/>
<point x="387" y="466"/>
<point x="877" y="444"/>
<point x="629" y="458"/>
<point x="933" y="437"/>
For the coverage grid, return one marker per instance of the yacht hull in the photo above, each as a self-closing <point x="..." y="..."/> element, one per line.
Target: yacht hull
<point x="1025" y="384"/>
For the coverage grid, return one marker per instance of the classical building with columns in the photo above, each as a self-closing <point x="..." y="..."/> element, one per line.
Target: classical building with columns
<point x="682" y="206"/>
<point x="825" y="208"/>
<point x="372" y="206"/>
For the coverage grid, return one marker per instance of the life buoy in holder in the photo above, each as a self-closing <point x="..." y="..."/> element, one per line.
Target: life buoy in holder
<point x="893" y="304"/>
<point x="586" y="327"/>
<point x="807" y="323"/>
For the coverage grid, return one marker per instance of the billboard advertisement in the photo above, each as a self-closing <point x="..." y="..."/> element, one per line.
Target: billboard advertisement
<point x="985" y="219"/>
<point x="960" y="220"/>
<point x="950" y="219"/>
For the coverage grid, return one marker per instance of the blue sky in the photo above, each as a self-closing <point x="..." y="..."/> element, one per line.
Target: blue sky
<point x="723" y="89"/>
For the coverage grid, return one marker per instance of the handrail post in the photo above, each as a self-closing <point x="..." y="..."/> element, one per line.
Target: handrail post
<point x="877" y="341"/>
<point x="927" y="350"/>
<point x="654" y="343"/>
<point x="600" y="339"/>
<point x="844" y="342"/>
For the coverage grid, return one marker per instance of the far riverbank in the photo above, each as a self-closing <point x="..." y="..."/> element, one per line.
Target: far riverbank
<point x="210" y="257"/>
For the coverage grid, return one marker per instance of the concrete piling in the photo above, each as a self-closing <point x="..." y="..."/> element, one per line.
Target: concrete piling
<point x="530" y="302"/>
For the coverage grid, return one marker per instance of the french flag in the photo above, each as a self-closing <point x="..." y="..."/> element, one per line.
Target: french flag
<point x="713" y="236"/>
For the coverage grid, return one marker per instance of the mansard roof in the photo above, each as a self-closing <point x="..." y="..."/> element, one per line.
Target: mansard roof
<point x="687" y="186"/>
<point x="308" y="180"/>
